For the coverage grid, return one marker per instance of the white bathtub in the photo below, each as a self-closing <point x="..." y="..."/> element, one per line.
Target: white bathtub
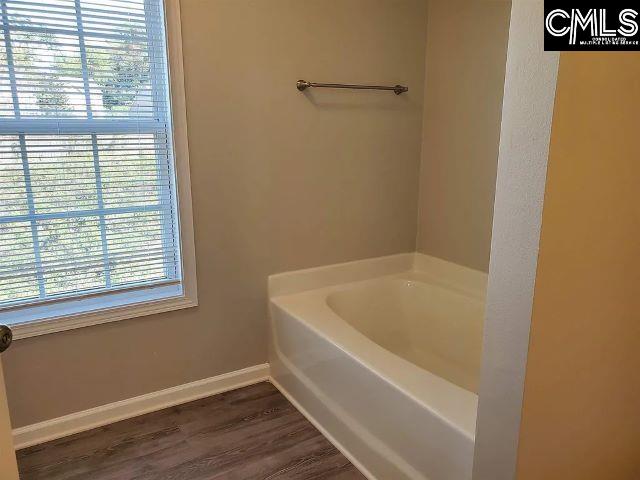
<point x="384" y="356"/>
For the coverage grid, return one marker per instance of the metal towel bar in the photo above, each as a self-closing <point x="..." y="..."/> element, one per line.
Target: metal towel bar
<point x="302" y="85"/>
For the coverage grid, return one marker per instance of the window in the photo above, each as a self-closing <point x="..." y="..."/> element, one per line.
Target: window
<point x="88" y="193"/>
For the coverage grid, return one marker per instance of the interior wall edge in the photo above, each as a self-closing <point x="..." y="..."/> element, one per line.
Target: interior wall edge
<point x="524" y="148"/>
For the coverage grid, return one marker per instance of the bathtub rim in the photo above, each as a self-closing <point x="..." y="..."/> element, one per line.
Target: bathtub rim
<point x="473" y="282"/>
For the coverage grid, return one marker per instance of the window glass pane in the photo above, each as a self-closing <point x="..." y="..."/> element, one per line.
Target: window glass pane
<point x="6" y="101"/>
<point x="18" y="279"/>
<point x="124" y="19"/>
<point x="48" y="74"/>
<point x="59" y="14"/>
<point x="130" y="170"/>
<point x="75" y="239"/>
<point x="120" y="76"/>
<point x="62" y="173"/>
<point x="136" y="247"/>
<point x="13" y="195"/>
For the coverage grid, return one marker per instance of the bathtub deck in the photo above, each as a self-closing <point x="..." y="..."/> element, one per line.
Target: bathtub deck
<point x="252" y="433"/>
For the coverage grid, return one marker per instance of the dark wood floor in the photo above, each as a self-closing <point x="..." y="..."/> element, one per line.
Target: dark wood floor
<point x="252" y="433"/>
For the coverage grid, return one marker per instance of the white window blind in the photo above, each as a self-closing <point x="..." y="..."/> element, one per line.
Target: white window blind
<point x="87" y="188"/>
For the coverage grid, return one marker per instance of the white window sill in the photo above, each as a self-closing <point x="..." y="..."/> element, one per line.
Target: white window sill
<point x="55" y="317"/>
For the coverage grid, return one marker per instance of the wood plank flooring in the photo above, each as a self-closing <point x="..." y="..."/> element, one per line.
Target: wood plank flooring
<point x="252" y="433"/>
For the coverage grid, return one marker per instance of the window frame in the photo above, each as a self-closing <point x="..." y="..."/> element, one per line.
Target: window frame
<point x="94" y="309"/>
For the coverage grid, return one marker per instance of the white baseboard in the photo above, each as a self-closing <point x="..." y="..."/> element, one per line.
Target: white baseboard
<point x="324" y="432"/>
<point x="132" y="407"/>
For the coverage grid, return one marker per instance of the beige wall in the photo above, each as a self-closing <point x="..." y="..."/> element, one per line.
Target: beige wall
<point x="281" y="180"/>
<point x="580" y="417"/>
<point x="466" y="52"/>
